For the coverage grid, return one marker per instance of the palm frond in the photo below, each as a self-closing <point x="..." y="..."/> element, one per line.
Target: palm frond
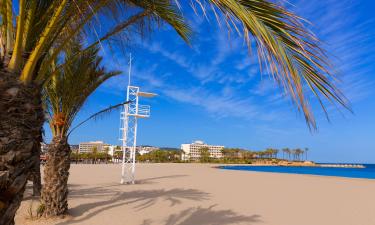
<point x="149" y="12"/>
<point x="100" y="114"/>
<point x="70" y="87"/>
<point x="291" y="53"/>
<point x="167" y="12"/>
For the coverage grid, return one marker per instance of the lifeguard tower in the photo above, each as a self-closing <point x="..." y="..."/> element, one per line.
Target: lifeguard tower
<point x="129" y="117"/>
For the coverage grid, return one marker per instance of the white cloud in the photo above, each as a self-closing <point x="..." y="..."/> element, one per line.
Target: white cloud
<point x="222" y="75"/>
<point x="173" y="56"/>
<point x="346" y="38"/>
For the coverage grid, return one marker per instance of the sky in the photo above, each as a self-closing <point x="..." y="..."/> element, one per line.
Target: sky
<point x="214" y="90"/>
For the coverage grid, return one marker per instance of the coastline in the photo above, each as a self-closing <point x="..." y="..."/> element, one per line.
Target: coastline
<point x="322" y="176"/>
<point x="183" y="194"/>
<point x="301" y="164"/>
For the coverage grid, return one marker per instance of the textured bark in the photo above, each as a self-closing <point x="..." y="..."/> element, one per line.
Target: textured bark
<point x="37" y="181"/>
<point x="35" y="175"/>
<point x="37" y="178"/>
<point x="21" y="119"/>
<point x="56" y="173"/>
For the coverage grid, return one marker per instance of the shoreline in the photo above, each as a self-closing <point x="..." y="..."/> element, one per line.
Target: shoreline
<point x="300" y="164"/>
<point x="344" y="178"/>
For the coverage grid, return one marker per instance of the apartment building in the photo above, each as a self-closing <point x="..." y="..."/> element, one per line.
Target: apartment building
<point x="193" y="151"/>
<point x="87" y="147"/>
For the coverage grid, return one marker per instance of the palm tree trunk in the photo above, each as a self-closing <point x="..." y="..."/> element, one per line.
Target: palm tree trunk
<point x="37" y="180"/>
<point x="21" y="119"/>
<point x="35" y="176"/>
<point x="56" y="173"/>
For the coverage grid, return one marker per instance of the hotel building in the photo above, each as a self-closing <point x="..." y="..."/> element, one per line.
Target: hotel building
<point x="87" y="147"/>
<point x="193" y="151"/>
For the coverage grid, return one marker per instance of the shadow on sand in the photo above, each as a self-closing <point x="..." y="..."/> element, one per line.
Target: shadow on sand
<point x="152" y="180"/>
<point x="140" y="199"/>
<point x="207" y="216"/>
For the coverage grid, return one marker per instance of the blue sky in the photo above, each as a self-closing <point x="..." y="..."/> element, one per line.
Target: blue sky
<point x="214" y="91"/>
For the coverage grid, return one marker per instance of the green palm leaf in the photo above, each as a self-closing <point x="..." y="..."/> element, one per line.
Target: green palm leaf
<point x="67" y="91"/>
<point x="285" y="48"/>
<point x="290" y="52"/>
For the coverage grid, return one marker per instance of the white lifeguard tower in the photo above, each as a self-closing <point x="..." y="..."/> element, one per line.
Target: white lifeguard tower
<point x="128" y="130"/>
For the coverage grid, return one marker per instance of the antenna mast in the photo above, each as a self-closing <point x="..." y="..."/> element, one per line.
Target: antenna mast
<point x="130" y="68"/>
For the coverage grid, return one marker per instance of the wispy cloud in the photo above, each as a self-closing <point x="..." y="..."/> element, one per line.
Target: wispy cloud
<point x="176" y="57"/>
<point x="220" y="77"/>
<point x="220" y="105"/>
<point x="347" y="39"/>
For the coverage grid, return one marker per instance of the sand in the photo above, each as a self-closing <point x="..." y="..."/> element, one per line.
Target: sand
<point x="184" y="194"/>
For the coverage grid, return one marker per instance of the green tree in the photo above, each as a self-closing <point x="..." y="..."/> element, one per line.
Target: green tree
<point x="75" y="156"/>
<point x="28" y="48"/>
<point x="289" y="151"/>
<point x="306" y="150"/>
<point x="44" y="28"/>
<point x="65" y="94"/>
<point x="160" y="156"/>
<point x="275" y="153"/>
<point x="94" y="154"/>
<point x="107" y="156"/>
<point x="205" y="155"/>
<point x="248" y="155"/>
<point x="300" y="154"/>
<point x="236" y="155"/>
<point x="297" y="154"/>
<point x="118" y="153"/>
<point x="286" y="152"/>
<point x="294" y="154"/>
<point x="233" y="154"/>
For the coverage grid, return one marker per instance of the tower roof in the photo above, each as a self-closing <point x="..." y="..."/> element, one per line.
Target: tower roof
<point x="146" y="94"/>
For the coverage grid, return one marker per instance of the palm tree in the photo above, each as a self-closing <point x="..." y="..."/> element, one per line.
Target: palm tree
<point x="275" y="152"/>
<point x="65" y="94"/>
<point x="106" y="152"/>
<point x="268" y="152"/>
<point x="204" y="155"/>
<point x="293" y="152"/>
<point x="306" y="150"/>
<point x="290" y="52"/>
<point x="27" y="49"/>
<point x="285" y="152"/>
<point x="301" y="154"/>
<point x="298" y="152"/>
<point x="289" y="152"/>
<point x="94" y="154"/>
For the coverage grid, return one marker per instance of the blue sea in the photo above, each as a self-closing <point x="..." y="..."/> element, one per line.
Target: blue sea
<point x="367" y="173"/>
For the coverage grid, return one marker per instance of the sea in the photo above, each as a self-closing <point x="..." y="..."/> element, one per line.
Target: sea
<point x="366" y="173"/>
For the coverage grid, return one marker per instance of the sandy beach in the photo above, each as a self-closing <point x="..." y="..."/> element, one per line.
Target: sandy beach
<point x="193" y="194"/>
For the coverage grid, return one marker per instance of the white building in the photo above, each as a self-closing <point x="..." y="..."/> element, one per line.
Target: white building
<point x="113" y="148"/>
<point x="146" y="149"/>
<point x="87" y="147"/>
<point x="193" y="151"/>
